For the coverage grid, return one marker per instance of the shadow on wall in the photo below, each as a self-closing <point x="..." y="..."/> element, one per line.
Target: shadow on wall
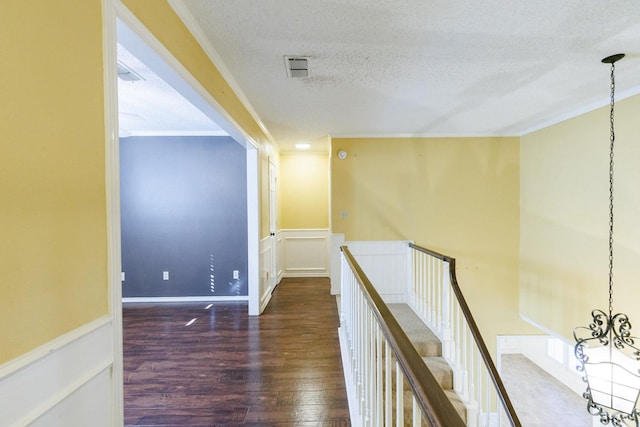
<point x="184" y="216"/>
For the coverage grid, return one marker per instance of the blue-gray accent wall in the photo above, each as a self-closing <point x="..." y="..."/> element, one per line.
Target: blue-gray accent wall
<point x="184" y="211"/>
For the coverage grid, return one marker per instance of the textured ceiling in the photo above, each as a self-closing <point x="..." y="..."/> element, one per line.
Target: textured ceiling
<point x="152" y="106"/>
<point x="417" y="67"/>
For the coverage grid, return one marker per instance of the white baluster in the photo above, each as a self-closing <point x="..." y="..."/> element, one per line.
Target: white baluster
<point x="388" y="385"/>
<point x="416" y="414"/>
<point x="379" y="379"/>
<point x="399" y="396"/>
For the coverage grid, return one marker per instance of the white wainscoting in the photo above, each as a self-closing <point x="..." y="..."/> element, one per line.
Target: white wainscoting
<point x="266" y="252"/>
<point x="386" y="264"/>
<point x="337" y="240"/>
<point x="66" y="382"/>
<point x="280" y="263"/>
<point x="306" y="252"/>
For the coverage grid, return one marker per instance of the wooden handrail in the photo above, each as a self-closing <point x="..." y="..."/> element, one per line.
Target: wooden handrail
<point x="477" y="336"/>
<point x="433" y="402"/>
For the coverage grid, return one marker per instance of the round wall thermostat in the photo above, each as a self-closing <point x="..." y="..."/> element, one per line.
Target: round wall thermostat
<point x="342" y="154"/>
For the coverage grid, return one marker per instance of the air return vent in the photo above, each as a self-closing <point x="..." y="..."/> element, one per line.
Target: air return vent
<point x="127" y="74"/>
<point x="297" y="66"/>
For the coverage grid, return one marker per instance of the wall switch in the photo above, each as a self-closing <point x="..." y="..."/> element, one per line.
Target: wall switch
<point x="165" y="275"/>
<point x="122" y="279"/>
<point x="236" y="274"/>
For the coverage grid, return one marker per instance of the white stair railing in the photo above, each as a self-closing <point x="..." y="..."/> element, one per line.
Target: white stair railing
<point x="380" y="360"/>
<point x="435" y="296"/>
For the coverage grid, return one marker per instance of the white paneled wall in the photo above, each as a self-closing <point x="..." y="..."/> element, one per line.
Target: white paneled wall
<point x="266" y="284"/>
<point x="66" y="382"/>
<point x="305" y="252"/>
<point x="280" y="266"/>
<point x="337" y="240"/>
<point x="386" y="264"/>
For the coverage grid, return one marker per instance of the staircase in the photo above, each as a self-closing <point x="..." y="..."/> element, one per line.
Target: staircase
<point x="430" y="348"/>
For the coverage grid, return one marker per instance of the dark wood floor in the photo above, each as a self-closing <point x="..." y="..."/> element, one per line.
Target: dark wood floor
<point x="279" y="369"/>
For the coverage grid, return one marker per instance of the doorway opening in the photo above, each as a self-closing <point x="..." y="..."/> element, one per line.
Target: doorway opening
<point x="158" y="106"/>
<point x="126" y="32"/>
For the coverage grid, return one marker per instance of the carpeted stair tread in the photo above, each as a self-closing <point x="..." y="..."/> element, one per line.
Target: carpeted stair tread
<point x="425" y="342"/>
<point x="457" y="403"/>
<point x="453" y="397"/>
<point x="439" y="368"/>
<point x="441" y="371"/>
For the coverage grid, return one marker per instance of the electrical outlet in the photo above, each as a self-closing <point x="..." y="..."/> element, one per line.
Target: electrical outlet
<point x="165" y="275"/>
<point x="236" y="274"/>
<point x="122" y="279"/>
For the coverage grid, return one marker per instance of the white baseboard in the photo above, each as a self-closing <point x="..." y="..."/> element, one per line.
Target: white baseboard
<point x="66" y="382"/>
<point x="265" y="301"/>
<point x="212" y="298"/>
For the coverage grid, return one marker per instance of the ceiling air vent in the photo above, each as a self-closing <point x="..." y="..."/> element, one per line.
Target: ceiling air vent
<point x="127" y="74"/>
<point x="297" y="66"/>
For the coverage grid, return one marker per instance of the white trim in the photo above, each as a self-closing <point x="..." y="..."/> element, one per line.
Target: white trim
<point x="335" y="241"/>
<point x="266" y="251"/>
<point x="112" y="191"/>
<point x="280" y="256"/>
<point x="138" y="36"/>
<point x="212" y="298"/>
<point x="188" y="86"/>
<point x="586" y="109"/>
<point x="306" y="252"/>
<point x="265" y="301"/>
<point x="352" y="398"/>
<point x="41" y="380"/>
<point x="303" y="230"/>
<point x="253" y="230"/>
<point x="178" y="133"/>
<point x="385" y="264"/>
<point x="27" y="359"/>
<point x="305" y="238"/>
<point x="55" y="400"/>
<point x="192" y="25"/>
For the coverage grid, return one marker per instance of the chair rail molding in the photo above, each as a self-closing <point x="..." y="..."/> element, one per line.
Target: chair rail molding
<point x="64" y="382"/>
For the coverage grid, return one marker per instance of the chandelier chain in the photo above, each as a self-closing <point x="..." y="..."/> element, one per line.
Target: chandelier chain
<point x="612" y="138"/>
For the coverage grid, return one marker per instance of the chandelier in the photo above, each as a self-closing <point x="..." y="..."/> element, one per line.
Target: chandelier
<point x="606" y="351"/>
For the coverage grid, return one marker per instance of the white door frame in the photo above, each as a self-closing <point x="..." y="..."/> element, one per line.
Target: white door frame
<point x="273" y="225"/>
<point x="114" y="11"/>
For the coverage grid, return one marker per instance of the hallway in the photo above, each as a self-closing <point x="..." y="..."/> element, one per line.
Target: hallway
<point x="225" y="368"/>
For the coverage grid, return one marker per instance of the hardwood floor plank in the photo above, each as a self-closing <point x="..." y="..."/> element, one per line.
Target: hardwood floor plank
<point x="282" y="368"/>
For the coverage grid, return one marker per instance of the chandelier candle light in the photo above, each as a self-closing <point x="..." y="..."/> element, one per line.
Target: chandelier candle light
<point x="606" y="351"/>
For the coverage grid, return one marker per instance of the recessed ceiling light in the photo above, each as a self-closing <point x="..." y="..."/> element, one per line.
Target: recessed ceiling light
<point x="303" y="146"/>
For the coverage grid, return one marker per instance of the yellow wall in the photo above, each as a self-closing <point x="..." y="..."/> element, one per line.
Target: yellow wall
<point x="53" y="244"/>
<point x="53" y="241"/>
<point x="564" y="219"/>
<point x="459" y="196"/>
<point x="304" y="190"/>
